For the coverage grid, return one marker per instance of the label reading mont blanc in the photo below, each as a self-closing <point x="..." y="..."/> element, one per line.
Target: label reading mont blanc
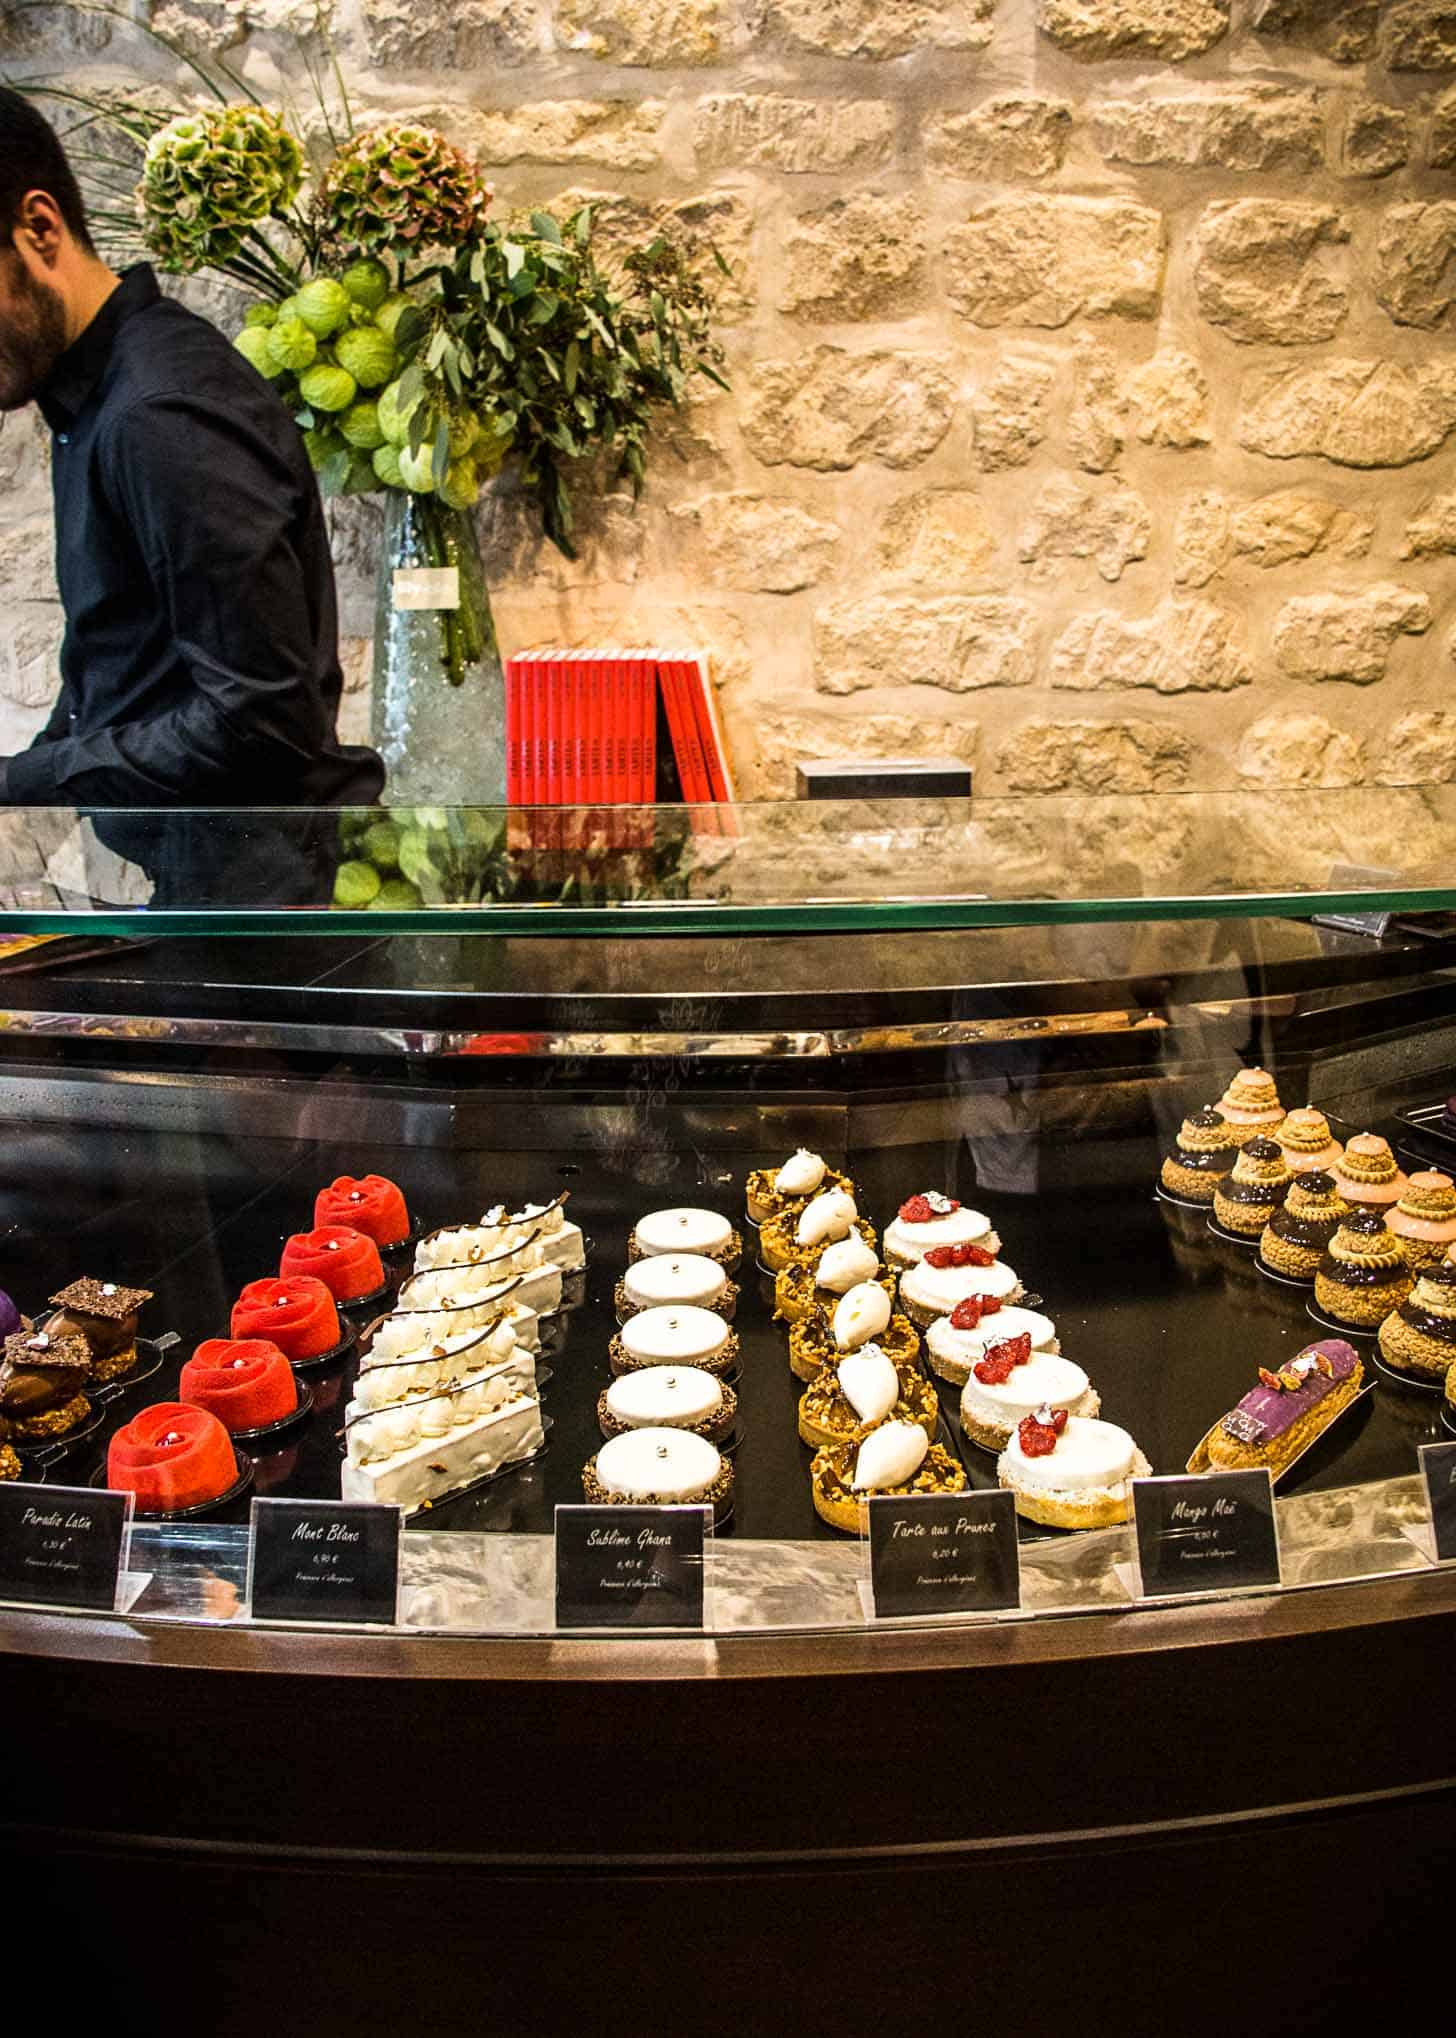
<point x="63" y="1545"/>
<point x="324" y="1560"/>
<point x="630" y="1567"/>
<point x="1205" y="1532"/>
<point x="944" y="1553"/>
<point x="1438" y="1469"/>
<point x="426" y="587"/>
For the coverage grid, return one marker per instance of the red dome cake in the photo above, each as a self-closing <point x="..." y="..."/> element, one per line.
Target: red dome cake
<point x="371" y="1204"/>
<point x="300" y="1316"/>
<point x="246" y="1383"/>
<point x="345" y="1261"/>
<point x="171" y="1456"/>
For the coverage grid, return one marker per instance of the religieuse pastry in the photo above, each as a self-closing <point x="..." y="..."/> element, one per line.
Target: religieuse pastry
<point x="893" y="1458"/>
<point x="660" y="1468"/>
<point x="1206" y="1149"/>
<point x="172" y="1456"/>
<point x="772" y="1191"/>
<point x="1251" y="1105"/>
<point x="675" y="1337"/>
<point x="953" y="1343"/>
<point x="1011" y="1381"/>
<point x="1281" y="1416"/>
<point x="1369" y="1173"/>
<point x="948" y="1274"/>
<point x="860" y="1315"/>
<point x="43" y="1381"/>
<point x="801" y="1289"/>
<point x="1297" y="1236"/>
<point x="669" y="1397"/>
<point x="345" y="1261"/>
<point x="684" y="1229"/>
<point x="246" y="1383"/>
<point x="299" y="1315"/>
<point x="1307" y="1141"/>
<point x="1419" y="1337"/>
<point x="1424" y="1220"/>
<point x="865" y="1387"/>
<point x="802" y="1237"/>
<point x="368" y="1203"/>
<point x="1244" y="1203"/>
<point x="665" y="1278"/>
<point x="105" y="1317"/>
<point x="1362" y="1277"/>
<point x="1071" y="1471"/>
<point x="925" y="1221"/>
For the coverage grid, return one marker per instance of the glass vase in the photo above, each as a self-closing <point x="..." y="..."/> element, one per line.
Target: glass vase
<point x="439" y="702"/>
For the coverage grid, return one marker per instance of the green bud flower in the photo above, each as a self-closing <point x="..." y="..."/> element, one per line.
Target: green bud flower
<point x="252" y="344"/>
<point x="417" y="470"/>
<point x="367" y="282"/>
<point x="396" y="896"/>
<point x="360" y="426"/>
<point x="385" y="463"/>
<point x="381" y="845"/>
<point x="323" y="305"/>
<point x="460" y="490"/>
<point x="356" y="885"/>
<point x="327" y="388"/>
<point x="261" y="315"/>
<point x="369" y="356"/>
<point x="291" y="346"/>
<point x="394" y="416"/>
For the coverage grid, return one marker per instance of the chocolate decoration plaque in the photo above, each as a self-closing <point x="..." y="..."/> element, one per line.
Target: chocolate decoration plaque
<point x="1205" y="1532"/>
<point x="324" y="1560"/>
<point x="63" y="1545"/>
<point x="944" y="1553"/>
<point x="631" y="1567"/>
<point x="1438" y="1469"/>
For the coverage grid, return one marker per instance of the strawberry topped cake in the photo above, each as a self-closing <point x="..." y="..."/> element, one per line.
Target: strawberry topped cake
<point x="954" y="1342"/>
<point x="925" y="1221"/>
<point x="948" y="1274"/>
<point x="1011" y="1380"/>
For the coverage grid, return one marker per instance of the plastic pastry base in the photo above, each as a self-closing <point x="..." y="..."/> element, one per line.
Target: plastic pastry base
<point x="1340" y="1329"/>
<point x="148" y="1360"/>
<point x="1399" y="1378"/>
<point x="49" y="1449"/>
<point x="1221" y="1231"/>
<point x="1262" y="1266"/>
<point x="334" y="1356"/>
<point x="1161" y="1195"/>
<point x="1448" y="1418"/>
<point x="271" y="1436"/>
<point x="203" y="1508"/>
<point x="407" y="1244"/>
<point x="364" y="1303"/>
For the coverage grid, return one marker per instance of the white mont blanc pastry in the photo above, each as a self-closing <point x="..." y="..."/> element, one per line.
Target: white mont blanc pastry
<point x="829" y="1216"/>
<point x="416" y="1355"/>
<point x="448" y="1289"/>
<point x="890" y="1456"/>
<point x="1045" y="1381"/>
<point x="658" y="1464"/>
<point x="669" y="1397"/>
<point x="673" y="1336"/>
<point x="869" y="1383"/>
<point x="846" y="1263"/>
<point x="801" y="1174"/>
<point x="860" y="1315"/>
<point x="935" y="1291"/>
<point x="953" y="1352"/>
<point x="682" y="1230"/>
<point x="911" y="1242"/>
<point x="674" y="1277"/>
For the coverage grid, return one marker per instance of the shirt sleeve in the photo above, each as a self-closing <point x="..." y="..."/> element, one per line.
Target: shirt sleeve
<point x="214" y="506"/>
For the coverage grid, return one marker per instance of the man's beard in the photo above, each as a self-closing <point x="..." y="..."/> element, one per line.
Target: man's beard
<point x="32" y="335"/>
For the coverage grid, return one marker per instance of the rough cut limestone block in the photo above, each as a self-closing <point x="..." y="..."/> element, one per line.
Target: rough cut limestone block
<point x="1358" y="413"/>
<point x="1432" y="529"/>
<point x="1043" y="261"/>
<point x="1377" y="139"/>
<point x="1300" y="750"/>
<point x="1095" y="435"/>
<point x="618" y="134"/>
<point x="1134" y="28"/>
<point x="765" y="544"/>
<point x="783" y="738"/>
<point x="1419" y="35"/>
<point x="1253" y="127"/>
<point x="1415" y="263"/>
<point x="1169" y="397"/>
<point x="881" y="28"/>
<point x="1006" y="139"/>
<point x="1349" y="637"/>
<point x="1182" y="647"/>
<point x="765" y="131"/>
<point x="1343" y="30"/>
<point x="1441" y="140"/>
<point x="958" y="642"/>
<point x="663" y="32"/>
<point x="829" y="409"/>
<point x="466" y="35"/>
<point x="1095" y="757"/>
<point x="1420" y="750"/>
<point x="856" y="257"/>
<point x="1260" y="273"/>
<point x="940" y="537"/>
<point x="1110" y="526"/>
<point x="1009" y="409"/>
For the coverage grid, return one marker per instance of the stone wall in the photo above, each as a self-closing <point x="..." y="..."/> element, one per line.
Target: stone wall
<point x="1094" y="403"/>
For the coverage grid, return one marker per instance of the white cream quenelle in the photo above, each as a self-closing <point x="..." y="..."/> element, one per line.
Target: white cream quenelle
<point x="801" y="1174"/>
<point x="890" y="1456"/>
<point x="829" y="1216"/>
<point x="869" y="1383"/>
<point x="846" y="1263"/>
<point x="860" y="1315"/>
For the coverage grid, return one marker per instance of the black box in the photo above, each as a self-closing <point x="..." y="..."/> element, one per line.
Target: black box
<point x="882" y="778"/>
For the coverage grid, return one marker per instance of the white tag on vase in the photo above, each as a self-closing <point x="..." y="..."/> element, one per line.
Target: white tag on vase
<point x="427" y="587"/>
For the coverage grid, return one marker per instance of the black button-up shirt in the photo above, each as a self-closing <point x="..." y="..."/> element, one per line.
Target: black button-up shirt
<point x="200" y="665"/>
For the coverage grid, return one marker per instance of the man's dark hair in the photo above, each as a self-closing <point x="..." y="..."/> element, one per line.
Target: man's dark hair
<point x="32" y="159"/>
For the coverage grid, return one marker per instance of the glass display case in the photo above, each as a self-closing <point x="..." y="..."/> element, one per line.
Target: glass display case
<point x="1030" y="1038"/>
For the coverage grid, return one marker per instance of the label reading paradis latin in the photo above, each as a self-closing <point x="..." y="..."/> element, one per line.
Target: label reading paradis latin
<point x="62" y="1545"/>
<point x="630" y="1567"/>
<point x="1205" y="1532"/>
<point x="324" y="1560"/>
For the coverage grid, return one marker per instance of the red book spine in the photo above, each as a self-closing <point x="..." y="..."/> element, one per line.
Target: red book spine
<point x="597" y="724"/>
<point x="699" y="682"/>
<point x="513" y="732"/>
<point x="621" y="728"/>
<point x="682" y="723"/>
<point x="551" y="675"/>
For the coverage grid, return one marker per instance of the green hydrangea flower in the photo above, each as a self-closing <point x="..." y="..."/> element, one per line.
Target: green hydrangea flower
<point x="252" y="344"/>
<point x="291" y="346"/>
<point x="360" y="426"/>
<point x="327" y="387"/>
<point x="356" y="885"/>
<point x="369" y="356"/>
<point x="385" y="462"/>
<point x="367" y="282"/>
<point x="208" y="177"/>
<point x="324" y="307"/>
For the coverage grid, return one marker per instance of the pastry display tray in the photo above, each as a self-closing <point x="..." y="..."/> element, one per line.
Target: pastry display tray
<point x="1169" y="1322"/>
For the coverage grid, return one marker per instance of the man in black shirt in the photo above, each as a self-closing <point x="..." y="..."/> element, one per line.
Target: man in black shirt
<point x="200" y="663"/>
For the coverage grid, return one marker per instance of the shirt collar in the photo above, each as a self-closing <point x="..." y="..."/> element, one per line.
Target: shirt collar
<point x="74" y="379"/>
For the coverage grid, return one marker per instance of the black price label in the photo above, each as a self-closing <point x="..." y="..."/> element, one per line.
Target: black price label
<point x="63" y="1545"/>
<point x="1438" y="1469"/>
<point x="944" y="1553"/>
<point x="630" y="1567"/>
<point x="1206" y="1532"/>
<point x="324" y="1560"/>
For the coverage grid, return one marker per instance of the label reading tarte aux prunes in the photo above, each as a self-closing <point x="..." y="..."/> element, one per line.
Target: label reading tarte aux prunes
<point x="944" y="1553"/>
<point x="324" y="1560"/>
<point x="1438" y="1469"/>
<point x="62" y="1545"/>
<point x="1205" y="1532"/>
<point x="630" y="1567"/>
